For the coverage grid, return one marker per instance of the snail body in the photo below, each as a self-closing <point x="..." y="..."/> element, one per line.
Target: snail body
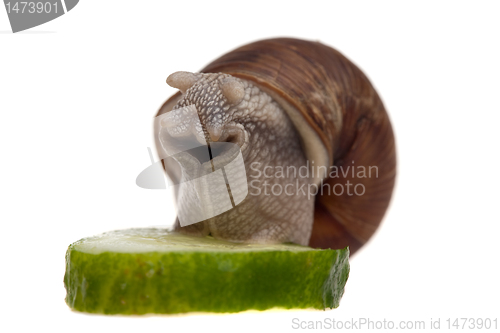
<point x="294" y="105"/>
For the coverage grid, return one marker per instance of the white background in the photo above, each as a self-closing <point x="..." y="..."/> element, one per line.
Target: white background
<point x="77" y="98"/>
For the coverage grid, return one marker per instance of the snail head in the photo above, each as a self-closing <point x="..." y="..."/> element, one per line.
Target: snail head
<point x="210" y="97"/>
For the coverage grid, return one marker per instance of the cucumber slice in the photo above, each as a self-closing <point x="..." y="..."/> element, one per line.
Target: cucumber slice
<point x="141" y="271"/>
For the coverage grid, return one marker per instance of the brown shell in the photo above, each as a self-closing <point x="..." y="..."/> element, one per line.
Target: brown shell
<point x="321" y="83"/>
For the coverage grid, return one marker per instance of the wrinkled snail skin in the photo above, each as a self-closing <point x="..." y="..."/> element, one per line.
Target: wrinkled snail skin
<point x="289" y="102"/>
<point x="265" y="135"/>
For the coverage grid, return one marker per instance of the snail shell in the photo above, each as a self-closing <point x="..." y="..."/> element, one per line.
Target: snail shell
<point x="342" y="124"/>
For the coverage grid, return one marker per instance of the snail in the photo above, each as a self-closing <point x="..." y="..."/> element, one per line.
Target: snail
<point x="289" y="104"/>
